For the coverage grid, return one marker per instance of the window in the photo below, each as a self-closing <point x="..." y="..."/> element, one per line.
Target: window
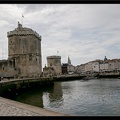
<point x="30" y="57"/>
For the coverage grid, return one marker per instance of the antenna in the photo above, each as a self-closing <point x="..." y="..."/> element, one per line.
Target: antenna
<point x="2" y="51"/>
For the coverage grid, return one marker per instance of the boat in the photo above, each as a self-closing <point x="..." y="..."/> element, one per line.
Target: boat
<point x="86" y="78"/>
<point x="89" y="77"/>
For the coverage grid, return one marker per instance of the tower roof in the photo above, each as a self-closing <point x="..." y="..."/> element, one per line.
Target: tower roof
<point x="69" y="61"/>
<point x="22" y="31"/>
<point x="53" y="57"/>
<point x="105" y="58"/>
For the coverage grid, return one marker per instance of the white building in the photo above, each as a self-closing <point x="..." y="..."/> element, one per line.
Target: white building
<point x="96" y="66"/>
<point x="114" y="65"/>
<point x="104" y="66"/>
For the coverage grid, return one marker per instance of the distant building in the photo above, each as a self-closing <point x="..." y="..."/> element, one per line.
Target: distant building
<point x="80" y="69"/>
<point x="64" y="68"/>
<point x="105" y="65"/>
<point x="114" y="65"/>
<point x="68" y="68"/>
<point x="96" y="65"/>
<point x="89" y="67"/>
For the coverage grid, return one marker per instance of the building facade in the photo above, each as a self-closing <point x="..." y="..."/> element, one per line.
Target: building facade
<point x="7" y="68"/>
<point x="64" y="68"/>
<point x="55" y="63"/>
<point x="89" y="67"/>
<point x="99" y="66"/>
<point x="96" y="66"/>
<point x="68" y="68"/>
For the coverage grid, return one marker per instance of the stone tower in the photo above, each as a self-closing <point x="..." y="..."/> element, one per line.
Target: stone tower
<point x="55" y="62"/>
<point x="24" y="47"/>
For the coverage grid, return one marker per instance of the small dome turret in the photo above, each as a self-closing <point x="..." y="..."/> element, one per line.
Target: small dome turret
<point x="19" y="25"/>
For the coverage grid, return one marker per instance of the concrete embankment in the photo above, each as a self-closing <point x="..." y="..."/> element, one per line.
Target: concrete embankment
<point x="13" y="108"/>
<point x="108" y="76"/>
<point x="68" y="77"/>
<point x="13" y="86"/>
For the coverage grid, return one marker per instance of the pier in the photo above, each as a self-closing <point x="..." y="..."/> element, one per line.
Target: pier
<point x="14" y="108"/>
<point x="15" y="85"/>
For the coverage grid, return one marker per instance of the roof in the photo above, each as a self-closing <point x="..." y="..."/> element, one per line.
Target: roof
<point x="54" y="57"/>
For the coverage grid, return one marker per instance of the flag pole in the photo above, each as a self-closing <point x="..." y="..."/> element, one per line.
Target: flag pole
<point x="22" y="19"/>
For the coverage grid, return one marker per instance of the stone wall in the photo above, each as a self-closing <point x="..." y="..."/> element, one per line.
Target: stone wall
<point x="48" y="71"/>
<point x="7" y="68"/>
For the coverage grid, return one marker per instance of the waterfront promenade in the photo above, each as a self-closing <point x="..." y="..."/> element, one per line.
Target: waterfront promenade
<point x="14" y="108"/>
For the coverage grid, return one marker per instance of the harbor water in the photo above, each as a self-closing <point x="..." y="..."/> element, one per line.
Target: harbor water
<point x="95" y="97"/>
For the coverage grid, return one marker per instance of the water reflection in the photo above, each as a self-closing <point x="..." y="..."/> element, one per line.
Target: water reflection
<point x="55" y="96"/>
<point x="98" y="97"/>
<point x="33" y="97"/>
<point x="37" y="97"/>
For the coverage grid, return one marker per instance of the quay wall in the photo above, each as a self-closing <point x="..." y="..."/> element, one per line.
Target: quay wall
<point x="14" y="86"/>
<point x="67" y="78"/>
<point x="108" y="76"/>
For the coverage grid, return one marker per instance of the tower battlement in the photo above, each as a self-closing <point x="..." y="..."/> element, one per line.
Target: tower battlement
<point x="23" y="31"/>
<point x="54" y="57"/>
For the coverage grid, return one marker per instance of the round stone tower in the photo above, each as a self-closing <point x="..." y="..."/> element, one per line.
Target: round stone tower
<point x="24" y="45"/>
<point x="55" y="62"/>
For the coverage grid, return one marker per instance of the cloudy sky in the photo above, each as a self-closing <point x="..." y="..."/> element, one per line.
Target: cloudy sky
<point x="85" y="32"/>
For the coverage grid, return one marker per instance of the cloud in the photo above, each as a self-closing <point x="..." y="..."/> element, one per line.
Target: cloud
<point x="85" y="32"/>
